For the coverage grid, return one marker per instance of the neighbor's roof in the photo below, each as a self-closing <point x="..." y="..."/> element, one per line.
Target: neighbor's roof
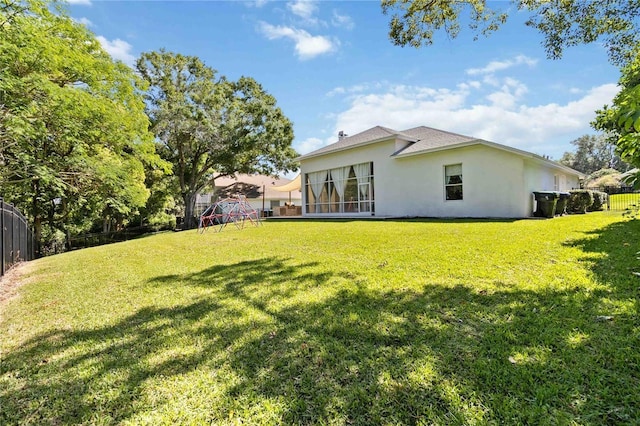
<point x="251" y="186"/>
<point x="422" y="140"/>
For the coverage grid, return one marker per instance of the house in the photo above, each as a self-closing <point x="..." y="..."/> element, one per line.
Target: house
<point x="262" y="192"/>
<point x="425" y="172"/>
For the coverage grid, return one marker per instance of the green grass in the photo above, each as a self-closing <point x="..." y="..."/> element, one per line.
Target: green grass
<point x="355" y="322"/>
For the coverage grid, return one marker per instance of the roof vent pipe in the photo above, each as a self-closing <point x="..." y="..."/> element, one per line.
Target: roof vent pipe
<point x="341" y="135"/>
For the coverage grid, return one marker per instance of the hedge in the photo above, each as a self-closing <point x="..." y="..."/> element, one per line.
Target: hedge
<point x="599" y="201"/>
<point x="586" y="200"/>
<point x="579" y="200"/>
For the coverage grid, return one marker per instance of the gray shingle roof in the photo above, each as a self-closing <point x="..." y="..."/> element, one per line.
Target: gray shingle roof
<point x="374" y="134"/>
<point x="422" y="138"/>
<point x="428" y="138"/>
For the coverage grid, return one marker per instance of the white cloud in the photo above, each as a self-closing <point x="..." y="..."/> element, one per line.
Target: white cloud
<point x="358" y="88"/>
<point x="118" y="49"/>
<point x="494" y="66"/>
<point x="511" y="91"/>
<point x="80" y="2"/>
<point x="501" y="116"/>
<point x="84" y="21"/>
<point x="303" y="8"/>
<point x="336" y="91"/>
<point x="309" y="145"/>
<point x="307" y="46"/>
<point x="342" y="21"/>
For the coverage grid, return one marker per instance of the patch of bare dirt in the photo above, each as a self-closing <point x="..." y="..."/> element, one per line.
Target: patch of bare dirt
<point x="11" y="282"/>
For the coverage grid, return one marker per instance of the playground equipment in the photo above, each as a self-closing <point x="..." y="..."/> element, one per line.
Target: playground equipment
<point x="235" y="210"/>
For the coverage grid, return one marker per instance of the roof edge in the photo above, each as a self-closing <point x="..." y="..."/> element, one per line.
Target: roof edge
<point x="393" y="136"/>
<point x="513" y="150"/>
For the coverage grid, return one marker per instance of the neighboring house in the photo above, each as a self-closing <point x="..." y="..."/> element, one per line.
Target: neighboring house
<point x="425" y="172"/>
<point x="261" y="191"/>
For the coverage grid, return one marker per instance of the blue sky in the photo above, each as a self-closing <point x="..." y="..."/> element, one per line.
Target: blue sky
<point x="332" y="67"/>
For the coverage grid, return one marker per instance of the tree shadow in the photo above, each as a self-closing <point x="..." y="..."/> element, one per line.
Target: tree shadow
<point x="68" y="376"/>
<point x="614" y="254"/>
<point x="311" y="347"/>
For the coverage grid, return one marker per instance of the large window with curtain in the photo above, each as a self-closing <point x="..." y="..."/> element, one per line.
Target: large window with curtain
<point x="342" y="190"/>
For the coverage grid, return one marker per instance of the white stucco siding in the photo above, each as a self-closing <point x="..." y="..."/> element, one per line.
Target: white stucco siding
<point x="493" y="181"/>
<point x="541" y="177"/>
<point x="496" y="182"/>
<point x="493" y="184"/>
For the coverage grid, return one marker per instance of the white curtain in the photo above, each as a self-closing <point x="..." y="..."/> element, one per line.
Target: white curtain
<point x="453" y="174"/>
<point x="317" y="180"/>
<point x="362" y="172"/>
<point x="339" y="177"/>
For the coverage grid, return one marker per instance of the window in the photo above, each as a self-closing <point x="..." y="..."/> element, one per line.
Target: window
<point x="347" y="189"/>
<point x="556" y="183"/>
<point x="453" y="182"/>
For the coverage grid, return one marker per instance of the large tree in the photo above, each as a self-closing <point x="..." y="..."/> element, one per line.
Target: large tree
<point x="622" y="118"/>
<point x="73" y="132"/>
<point x="563" y="23"/>
<point x="593" y="153"/>
<point x="209" y="126"/>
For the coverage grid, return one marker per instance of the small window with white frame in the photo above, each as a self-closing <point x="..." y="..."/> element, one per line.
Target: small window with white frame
<point x="453" y="182"/>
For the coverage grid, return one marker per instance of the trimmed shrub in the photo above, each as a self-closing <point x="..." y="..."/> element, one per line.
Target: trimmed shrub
<point x="599" y="201"/>
<point x="579" y="201"/>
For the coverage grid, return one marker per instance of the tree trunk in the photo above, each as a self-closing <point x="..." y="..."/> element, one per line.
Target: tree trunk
<point x="189" y="210"/>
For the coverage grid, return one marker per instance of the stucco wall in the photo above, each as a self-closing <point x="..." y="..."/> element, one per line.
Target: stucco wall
<point x="496" y="183"/>
<point x="492" y="184"/>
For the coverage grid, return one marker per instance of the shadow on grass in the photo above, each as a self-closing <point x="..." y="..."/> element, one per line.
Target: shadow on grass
<point x="309" y="346"/>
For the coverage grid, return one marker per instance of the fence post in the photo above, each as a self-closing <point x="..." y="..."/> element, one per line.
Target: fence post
<point x="19" y="252"/>
<point x="12" y="252"/>
<point x="2" y="267"/>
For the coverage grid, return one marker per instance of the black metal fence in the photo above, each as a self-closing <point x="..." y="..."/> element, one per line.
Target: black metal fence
<point x="16" y="238"/>
<point x="621" y="197"/>
<point x="101" y="238"/>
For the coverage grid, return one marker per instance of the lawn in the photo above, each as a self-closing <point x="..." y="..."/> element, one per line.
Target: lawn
<point x="356" y="322"/>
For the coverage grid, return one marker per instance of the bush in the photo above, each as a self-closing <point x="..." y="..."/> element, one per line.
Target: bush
<point x="605" y="181"/>
<point x="602" y="178"/>
<point x="53" y="242"/>
<point x="579" y="201"/>
<point x="162" y="221"/>
<point x="599" y="201"/>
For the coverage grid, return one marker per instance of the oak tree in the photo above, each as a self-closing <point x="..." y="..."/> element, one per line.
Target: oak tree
<point x="593" y="153"/>
<point x="209" y="126"/>
<point x="562" y="23"/>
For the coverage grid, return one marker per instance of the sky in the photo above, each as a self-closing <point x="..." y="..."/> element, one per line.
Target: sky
<point x="332" y="67"/>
